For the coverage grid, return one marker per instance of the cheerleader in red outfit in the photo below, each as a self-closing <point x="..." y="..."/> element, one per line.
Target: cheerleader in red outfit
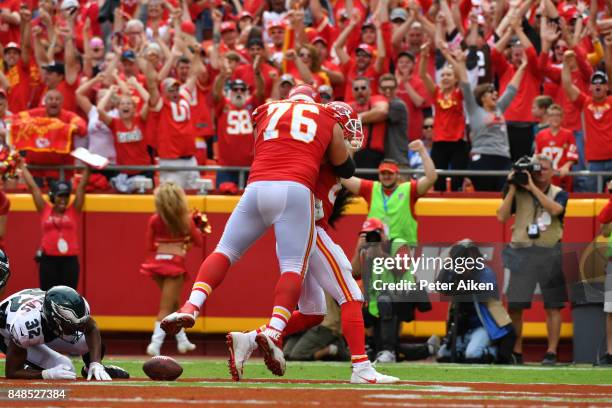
<point x="170" y="234"/>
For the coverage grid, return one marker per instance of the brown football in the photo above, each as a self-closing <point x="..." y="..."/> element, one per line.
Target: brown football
<point x="162" y="368"/>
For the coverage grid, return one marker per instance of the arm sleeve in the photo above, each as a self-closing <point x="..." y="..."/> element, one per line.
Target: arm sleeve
<point x="561" y="198"/>
<point x="586" y="69"/>
<point x="468" y="98"/>
<point x="365" y="190"/>
<point x="506" y="98"/>
<point x="552" y="73"/>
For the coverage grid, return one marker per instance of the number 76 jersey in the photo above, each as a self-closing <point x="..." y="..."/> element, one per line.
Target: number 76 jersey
<point x="291" y="138"/>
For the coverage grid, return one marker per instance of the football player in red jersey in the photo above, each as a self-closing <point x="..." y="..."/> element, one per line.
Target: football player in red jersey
<point x="329" y="270"/>
<point x="559" y="144"/>
<point x="292" y="137"/>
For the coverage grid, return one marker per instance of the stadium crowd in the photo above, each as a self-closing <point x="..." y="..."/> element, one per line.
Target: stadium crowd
<point x="482" y="82"/>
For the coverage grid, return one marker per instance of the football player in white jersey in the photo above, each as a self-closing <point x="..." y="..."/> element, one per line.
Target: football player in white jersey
<point x="37" y="327"/>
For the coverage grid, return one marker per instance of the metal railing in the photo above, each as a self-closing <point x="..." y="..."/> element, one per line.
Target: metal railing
<point x="601" y="175"/>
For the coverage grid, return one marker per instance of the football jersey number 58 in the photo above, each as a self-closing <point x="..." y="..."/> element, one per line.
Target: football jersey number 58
<point x="303" y="128"/>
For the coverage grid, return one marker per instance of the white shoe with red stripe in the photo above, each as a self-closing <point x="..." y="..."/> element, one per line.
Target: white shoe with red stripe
<point x="368" y="375"/>
<point x="240" y="348"/>
<point x="185" y="317"/>
<point x="269" y="343"/>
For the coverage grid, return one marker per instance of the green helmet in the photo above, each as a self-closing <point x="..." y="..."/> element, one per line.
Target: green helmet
<point x="64" y="310"/>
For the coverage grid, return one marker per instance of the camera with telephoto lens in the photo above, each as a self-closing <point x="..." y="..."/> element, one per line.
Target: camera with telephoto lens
<point x="373" y="236"/>
<point x="523" y="166"/>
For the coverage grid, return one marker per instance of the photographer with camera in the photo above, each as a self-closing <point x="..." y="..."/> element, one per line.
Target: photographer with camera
<point x="388" y="300"/>
<point x="479" y="330"/>
<point x="534" y="254"/>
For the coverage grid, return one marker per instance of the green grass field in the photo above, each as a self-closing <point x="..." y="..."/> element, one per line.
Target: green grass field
<point x="255" y="369"/>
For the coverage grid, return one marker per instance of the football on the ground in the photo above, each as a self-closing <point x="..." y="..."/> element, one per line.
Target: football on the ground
<point x="162" y="368"/>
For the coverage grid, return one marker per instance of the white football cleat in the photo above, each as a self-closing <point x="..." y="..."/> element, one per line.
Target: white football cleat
<point x="185" y="317"/>
<point x="240" y="348"/>
<point x="154" y="349"/>
<point x="273" y="355"/>
<point x="183" y="345"/>
<point x="368" y="375"/>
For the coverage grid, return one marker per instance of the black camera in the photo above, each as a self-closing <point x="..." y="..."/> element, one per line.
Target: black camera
<point x="373" y="236"/>
<point x="523" y="166"/>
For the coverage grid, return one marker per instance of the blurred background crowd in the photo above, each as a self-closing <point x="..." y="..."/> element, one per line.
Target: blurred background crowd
<point x="482" y="83"/>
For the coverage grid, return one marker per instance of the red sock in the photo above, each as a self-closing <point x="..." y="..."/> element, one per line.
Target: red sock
<point x="300" y="322"/>
<point x="353" y="330"/>
<point x="286" y="296"/>
<point x="211" y="274"/>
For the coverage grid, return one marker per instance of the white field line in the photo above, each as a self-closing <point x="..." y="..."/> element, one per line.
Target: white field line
<point x="433" y="389"/>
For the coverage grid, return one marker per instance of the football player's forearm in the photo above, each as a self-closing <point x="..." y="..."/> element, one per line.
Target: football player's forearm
<point x="24" y="374"/>
<point x="94" y="342"/>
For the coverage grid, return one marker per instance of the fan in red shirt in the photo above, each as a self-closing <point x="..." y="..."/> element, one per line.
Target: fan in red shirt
<point x="17" y="73"/>
<point x="596" y="115"/>
<point x="518" y="115"/>
<point x="234" y="124"/>
<point x="412" y="91"/>
<point x="559" y="144"/>
<point x="171" y="232"/>
<point x="292" y="137"/>
<point x="53" y="108"/>
<point x="246" y="72"/>
<point x="372" y="111"/>
<point x="175" y="131"/>
<point x="10" y="20"/>
<point x="129" y="138"/>
<point x="59" y="262"/>
<point x="363" y="64"/>
<point x="581" y="74"/>
<point x="449" y="147"/>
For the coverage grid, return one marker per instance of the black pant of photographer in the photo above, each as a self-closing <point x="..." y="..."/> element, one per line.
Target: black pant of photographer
<point x="387" y="330"/>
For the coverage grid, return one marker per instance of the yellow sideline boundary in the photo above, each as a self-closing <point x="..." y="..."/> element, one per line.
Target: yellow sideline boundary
<point x="433" y="207"/>
<point x="226" y="324"/>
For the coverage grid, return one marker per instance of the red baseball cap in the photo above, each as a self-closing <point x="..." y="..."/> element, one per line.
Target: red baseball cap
<point x="372" y="224"/>
<point x="244" y="14"/>
<point x="366" y="48"/>
<point x="188" y="27"/>
<point x="228" y="26"/>
<point x="387" y="166"/>
<point x="319" y="38"/>
<point x="228" y="188"/>
<point x="12" y="45"/>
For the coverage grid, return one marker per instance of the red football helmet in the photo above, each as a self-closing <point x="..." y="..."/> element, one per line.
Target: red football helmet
<point x="348" y="119"/>
<point x="304" y="92"/>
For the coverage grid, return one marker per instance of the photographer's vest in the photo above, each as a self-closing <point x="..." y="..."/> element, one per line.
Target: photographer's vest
<point x="528" y="211"/>
<point x="387" y="276"/>
<point x="609" y="253"/>
<point x="394" y="211"/>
